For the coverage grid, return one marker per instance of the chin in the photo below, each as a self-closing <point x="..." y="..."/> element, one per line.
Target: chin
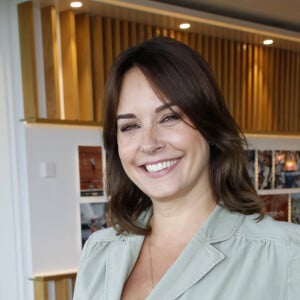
<point x="162" y="196"/>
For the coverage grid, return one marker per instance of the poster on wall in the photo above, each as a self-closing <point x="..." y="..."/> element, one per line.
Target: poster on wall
<point x="295" y="208"/>
<point x="265" y="169"/>
<point x="277" y="206"/>
<point x="90" y="171"/>
<point x="251" y="165"/>
<point x="94" y="216"/>
<point x="287" y="169"/>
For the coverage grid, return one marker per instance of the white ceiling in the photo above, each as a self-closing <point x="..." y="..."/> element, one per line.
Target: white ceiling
<point x="244" y="20"/>
<point x="278" y="13"/>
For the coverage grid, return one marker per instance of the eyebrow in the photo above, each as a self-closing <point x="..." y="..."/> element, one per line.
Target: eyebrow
<point x="157" y="110"/>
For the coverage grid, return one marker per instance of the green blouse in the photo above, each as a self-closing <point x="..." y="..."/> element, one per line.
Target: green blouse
<point x="231" y="257"/>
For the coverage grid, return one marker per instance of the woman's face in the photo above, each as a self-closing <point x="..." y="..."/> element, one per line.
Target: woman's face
<point x="159" y="151"/>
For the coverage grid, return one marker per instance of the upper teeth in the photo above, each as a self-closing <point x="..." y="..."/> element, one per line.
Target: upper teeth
<point x="160" y="166"/>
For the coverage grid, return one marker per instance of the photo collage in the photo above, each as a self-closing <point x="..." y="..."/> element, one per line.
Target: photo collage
<point x="277" y="171"/>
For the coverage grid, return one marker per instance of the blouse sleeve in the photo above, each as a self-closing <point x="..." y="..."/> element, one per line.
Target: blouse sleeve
<point x="91" y="268"/>
<point x="294" y="266"/>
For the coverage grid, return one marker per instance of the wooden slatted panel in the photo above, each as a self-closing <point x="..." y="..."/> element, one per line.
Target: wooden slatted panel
<point x="270" y="82"/>
<point x="50" y="53"/>
<point x="268" y="91"/>
<point x="254" y="99"/>
<point x="185" y="37"/>
<point x="165" y="32"/>
<point x="244" y="81"/>
<point x="249" y="111"/>
<point x="288" y="100"/>
<point x="225" y="72"/>
<point x="40" y="290"/>
<point x="84" y="61"/>
<point x="284" y="92"/>
<point x="69" y="65"/>
<point x="213" y="53"/>
<point x="260" y="100"/>
<point x="237" y="82"/>
<point x="107" y="45"/>
<point x="297" y="94"/>
<point x="218" y="68"/>
<point x="158" y="31"/>
<point x="124" y="35"/>
<point x="172" y="33"/>
<point x="260" y="85"/>
<point x="178" y="35"/>
<point x="149" y="32"/>
<point x="140" y="33"/>
<point x="133" y="34"/>
<point x="192" y="40"/>
<point x="97" y="66"/>
<point x="276" y="89"/>
<point x="73" y="281"/>
<point x="116" y="37"/>
<point x="205" y="48"/>
<point x="281" y="92"/>
<point x="62" y="285"/>
<point x="199" y="44"/>
<point x="293" y="104"/>
<point x="231" y="77"/>
<point x="62" y="289"/>
<point x="28" y="60"/>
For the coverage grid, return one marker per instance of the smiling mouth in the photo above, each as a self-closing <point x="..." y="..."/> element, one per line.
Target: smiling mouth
<point x="151" y="168"/>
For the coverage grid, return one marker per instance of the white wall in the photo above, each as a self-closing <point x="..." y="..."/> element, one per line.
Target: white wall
<point x="55" y="201"/>
<point x="274" y="142"/>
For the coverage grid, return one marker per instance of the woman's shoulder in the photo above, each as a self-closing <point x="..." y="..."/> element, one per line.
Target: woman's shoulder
<point x="104" y="235"/>
<point x="99" y="241"/>
<point x="270" y="229"/>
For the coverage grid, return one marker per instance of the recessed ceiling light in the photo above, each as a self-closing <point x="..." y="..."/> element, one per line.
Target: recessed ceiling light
<point x="268" y="42"/>
<point x="184" y="26"/>
<point x="76" y="4"/>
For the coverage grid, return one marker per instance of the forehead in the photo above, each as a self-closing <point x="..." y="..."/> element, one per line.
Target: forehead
<point x="136" y="90"/>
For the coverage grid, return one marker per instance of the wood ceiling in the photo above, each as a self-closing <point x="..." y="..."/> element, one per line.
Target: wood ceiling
<point x="208" y="22"/>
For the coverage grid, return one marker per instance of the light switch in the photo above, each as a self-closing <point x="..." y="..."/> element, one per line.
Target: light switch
<point x="47" y="169"/>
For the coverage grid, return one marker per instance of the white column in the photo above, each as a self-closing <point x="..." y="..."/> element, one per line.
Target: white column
<point x="15" y="249"/>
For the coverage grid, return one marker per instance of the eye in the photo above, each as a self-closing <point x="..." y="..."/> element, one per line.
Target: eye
<point x="170" y="118"/>
<point x="129" y="127"/>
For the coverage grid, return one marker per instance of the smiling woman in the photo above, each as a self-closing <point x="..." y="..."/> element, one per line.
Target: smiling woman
<point x="149" y="83"/>
<point x="187" y="222"/>
<point x="159" y="150"/>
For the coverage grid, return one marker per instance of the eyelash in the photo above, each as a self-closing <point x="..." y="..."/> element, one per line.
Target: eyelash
<point x="170" y="117"/>
<point x="165" y="119"/>
<point x="128" y="127"/>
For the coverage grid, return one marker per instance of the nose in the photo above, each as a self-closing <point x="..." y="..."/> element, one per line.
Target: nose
<point x="151" y="140"/>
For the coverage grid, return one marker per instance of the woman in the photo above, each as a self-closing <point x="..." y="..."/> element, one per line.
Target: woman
<point x="187" y="221"/>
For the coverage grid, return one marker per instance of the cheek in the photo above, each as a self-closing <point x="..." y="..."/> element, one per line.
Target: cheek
<point x="126" y="151"/>
<point x="127" y="144"/>
<point x="123" y="155"/>
<point x="200" y="145"/>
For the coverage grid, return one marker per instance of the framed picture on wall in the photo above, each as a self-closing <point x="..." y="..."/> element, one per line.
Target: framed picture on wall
<point x="251" y="154"/>
<point x="94" y="216"/>
<point x="265" y="167"/>
<point x="287" y="169"/>
<point x="295" y="208"/>
<point x="277" y="206"/>
<point x="90" y="171"/>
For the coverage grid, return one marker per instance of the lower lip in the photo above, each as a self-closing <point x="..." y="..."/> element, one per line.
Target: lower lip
<point x="162" y="172"/>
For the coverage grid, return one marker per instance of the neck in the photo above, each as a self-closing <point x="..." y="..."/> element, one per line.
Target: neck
<point x="177" y="224"/>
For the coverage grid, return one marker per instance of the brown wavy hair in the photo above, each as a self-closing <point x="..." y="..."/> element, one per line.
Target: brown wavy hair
<point x="178" y="73"/>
